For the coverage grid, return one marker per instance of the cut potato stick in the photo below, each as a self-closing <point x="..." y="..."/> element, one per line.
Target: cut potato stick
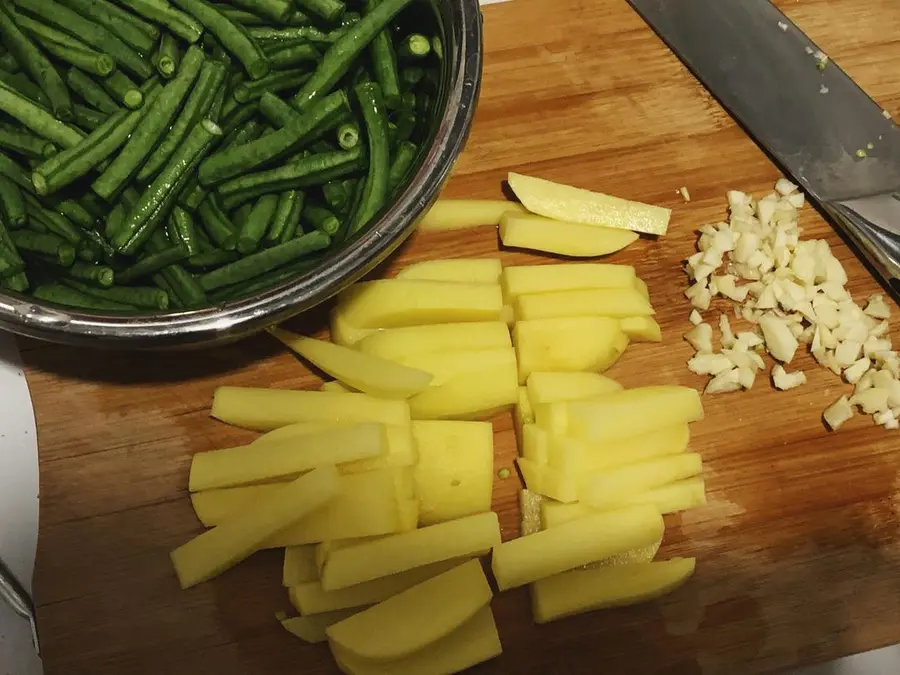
<point x="309" y="598"/>
<point x="591" y="343"/>
<point x="476" y="641"/>
<point x="299" y="565"/>
<point x="523" y="413"/>
<point x="544" y="387"/>
<point x="548" y="481"/>
<point x="535" y="444"/>
<point x="536" y="233"/>
<point x="616" y="487"/>
<point x="641" y="287"/>
<point x="455" y="472"/>
<point x="530" y="508"/>
<point x="614" y="302"/>
<point x="521" y="279"/>
<point x="471" y="395"/>
<point x="581" y="591"/>
<point x="363" y="372"/>
<point x="580" y="457"/>
<point x="470" y="536"/>
<point x="565" y="202"/>
<point x="641" y="329"/>
<point x="451" y="364"/>
<point x="345" y="333"/>
<point x="458" y="214"/>
<point x="273" y="460"/>
<point x="521" y="561"/>
<point x="460" y="270"/>
<point x="312" y="628"/>
<point x="400" y="343"/>
<point x="336" y="387"/>
<point x="222" y="547"/>
<point x="392" y="303"/>
<point x="267" y="409"/>
<point x="407" y="622"/>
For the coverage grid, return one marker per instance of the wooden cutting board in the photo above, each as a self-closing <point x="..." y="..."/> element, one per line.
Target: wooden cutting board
<point x="798" y="549"/>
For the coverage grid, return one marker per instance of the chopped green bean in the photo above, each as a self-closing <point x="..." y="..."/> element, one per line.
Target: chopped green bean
<point x="146" y="297"/>
<point x="36" y="118"/>
<point x="76" y="213"/>
<point x="256" y="224"/>
<point x="212" y="259"/>
<point x="411" y="76"/>
<point x="329" y="10"/>
<point x="404" y="155"/>
<point x="280" y="80"/>
<point x="335" y="195"/>
<point x="375" y="192"/>
<point x="116" y="21"/>
<point x="220" y="230"/>
<point x="181" y="24"/>
<point x="167" y="56"/>
<point x="292" y="54"/>
<point x="182" y="283"/>
<point x="46" y="243"/>
<point x="67" y="48"/>
<point x="60" y="294"/>
<point x="12" y="205"/>
<point x="321" y="219"/>
<point x="182" y="230"/>
<point x="414" y="46"/>
<point x="284" y="223"/>
<point x="91" y="92"/>
<point x="25" y="143"/>
<point x="277" y="10"/>
<point x="348" y="135"/>
<point x="14" y="172"/>
<point x="384" y="62"/>
<point x="87" y="118"/>
<point x="18" y="283"/>
<point x="9" y="64"/>
<point x="276" y="110"/>
<point x="100" y="275"/>
<point x="123" y="89"/>
<point x="152" y="263"/>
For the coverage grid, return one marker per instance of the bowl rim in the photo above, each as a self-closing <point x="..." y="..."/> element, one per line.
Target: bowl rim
<point x="231" y="320"/>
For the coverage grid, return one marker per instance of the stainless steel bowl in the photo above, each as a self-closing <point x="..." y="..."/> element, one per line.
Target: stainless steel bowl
<point x="460" y="26"/>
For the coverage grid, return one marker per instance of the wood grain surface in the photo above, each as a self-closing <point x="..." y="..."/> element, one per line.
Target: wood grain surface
<point x="799" y="548"/>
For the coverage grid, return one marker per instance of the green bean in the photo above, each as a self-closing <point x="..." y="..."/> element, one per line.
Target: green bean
<point x="241" y="16"/>
<point x="12" y="204"/>
<point x="55" y="222"/>
<point x="232" y="37"/>
<point x="336" y="195"/>
<point x="384" y="62"/>
<point x="212" y="259"/>
<point x="256" y="224"/>
<point x="8" y="267"/>
<point x="284" y="223"/>
<point x="9" y="64"/>
<point x="25" y="143"/>
<point x="152" y="263"/>
<point x="146" y="297"/>
<point x="411" y="76"/>
<point x="87" y="118"/>
<point x="237" y="160"/>
<point x="198" y="103"/>
<point x="8" y="248"/>
<point x="277" y="10"/>
<point x="405" y="126"/>
<point x="348" y="135"/>
<point x="86" y="252"/>
<point x="156" y="201"/>
<point x="330" y="10"/>
<point x="98" y="37"/>
<point x="67" y="48"/>
<point x="114" y="221"/>
<point x="76" y="213"/>
<point x="100" y="244"/>
<point x="181" y="24"/>
<point x="167" y="56"/>
<point x="17" y="283"/>
<point x="100" y="275"/>
<point x="70" y="165"/>
<point x="37" y="118"/>
<point x="93" y="205"/>
<point x="14" y="172"/>
<point x="404" y="155"/>
<point x="91" y="92"/>
<point x="60" y="294"/>
<point x="275" y="82"/>
<point x="55" y="247"/>
<point x="180" y="281"/>
<point x="375" y="192"/>
<point x="111" y="18"/>
<point x="151" y="127"/>
<point x="182" y="230"/>
<point x="239" y="215"/>
<point x="263" y="282"/>
<point x="218" y="101"/>
<point x="276" y="110"/>
<point x="437" y="47"/>
<point x="292" y="54"/>
<point x="414" y="46"/>
<point x="321" y="219"/>
<point x="408" y="101"/>
<point x="264" y="261"/>
<point x="341" y="54"/>
<point x="220" y="230"/>
<point x="35" y="64"/>
<point x="123" y="89"/>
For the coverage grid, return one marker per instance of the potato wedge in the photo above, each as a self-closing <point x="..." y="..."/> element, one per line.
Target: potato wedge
<point x="224" y="546"/>
<point x="287" y="458"/>
<point x="580" y="457"/>
<point x="311" y="628"/>
<point x="476" y="641"/>
<point x="641" y="287"/>
<point x="399" y="343"/>
<point x="460" y="270"/>
<point x="521" y="561"/>
<point x="616" y="487"/>
<point x="530" y="509"/>
<point x="641" y="329"/>
<point x="521" y="279"/>
<point x="565" y="202"/>
<point x="363" y="372"/>
<point x="581" y="591"/>
<point x="393" y="303"/>
<point x="536" y="233"/>
<point x="267" y="409"/>
<point x="590" y="343"/>
<point x="549" y="482"/>
<point x="470" y="536"/>
<point x="458" y="214"/>
<point x="299" y="565"/>
<point x="614" y="302"/>
<point x="544" y="387"/>
<point x="455" y="473"/>
<point x="407" y="622"/>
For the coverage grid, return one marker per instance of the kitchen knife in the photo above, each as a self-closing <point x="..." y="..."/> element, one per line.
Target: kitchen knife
<point x="811" y="118"/>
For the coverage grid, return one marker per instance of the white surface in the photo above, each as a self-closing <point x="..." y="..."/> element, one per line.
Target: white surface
<point x="18" y="506"/>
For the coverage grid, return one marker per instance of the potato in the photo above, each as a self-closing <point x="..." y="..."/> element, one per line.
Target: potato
<point x="455" y="473"/>
<point x="366" y="506"/>
<point x="460" y="270"/>
<point x="267" y="409"/>
<point x="565" y="202"/>
<point x="591" y="343"/>
<point x="311" y="628"/>
<point x="610" y="489"/>
<point x="456" y="214"/>
<point x="523" y="413"/>
<point x="522" y="279"/>
<point x="470" y="536"/>
<point x="521" y="561"/>
<point x="345" y="333"/>
<point x="641" y="287"/>
<point x="299" y="565"/>
<point x="641" y="329"/>
<point x="508" y="315"/>
<point x="453" y="363"/>
<point x="581" y="591"/>
<point x="552" y="417"/>
<point x="580" y="457"/>
<point x="614" y="302"/>
<point x="363" y="372"/>
<point x="392" y="303"/>
<point x="535" y="444"/>
<point x="407" y="622"/>
<point x="397" y="344"/>
<point x="309" y="598"/>
<point x="530" y="509"/>
<point x="472" y="643"/>
<point x="536" y="233"/>
<point x="261" y="462"/>
<point x="224" y="546"/>
<point x="544" y="387"/>
<point x="548" y="481"/>
<point x="324" y="549"/>
<point x="630" y="412"/>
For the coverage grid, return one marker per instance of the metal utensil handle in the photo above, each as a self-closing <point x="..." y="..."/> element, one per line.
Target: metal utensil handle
<point x="19" y="599"/>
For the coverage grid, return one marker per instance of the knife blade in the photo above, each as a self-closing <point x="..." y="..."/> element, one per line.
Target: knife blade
<point x="805" y="112"/>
